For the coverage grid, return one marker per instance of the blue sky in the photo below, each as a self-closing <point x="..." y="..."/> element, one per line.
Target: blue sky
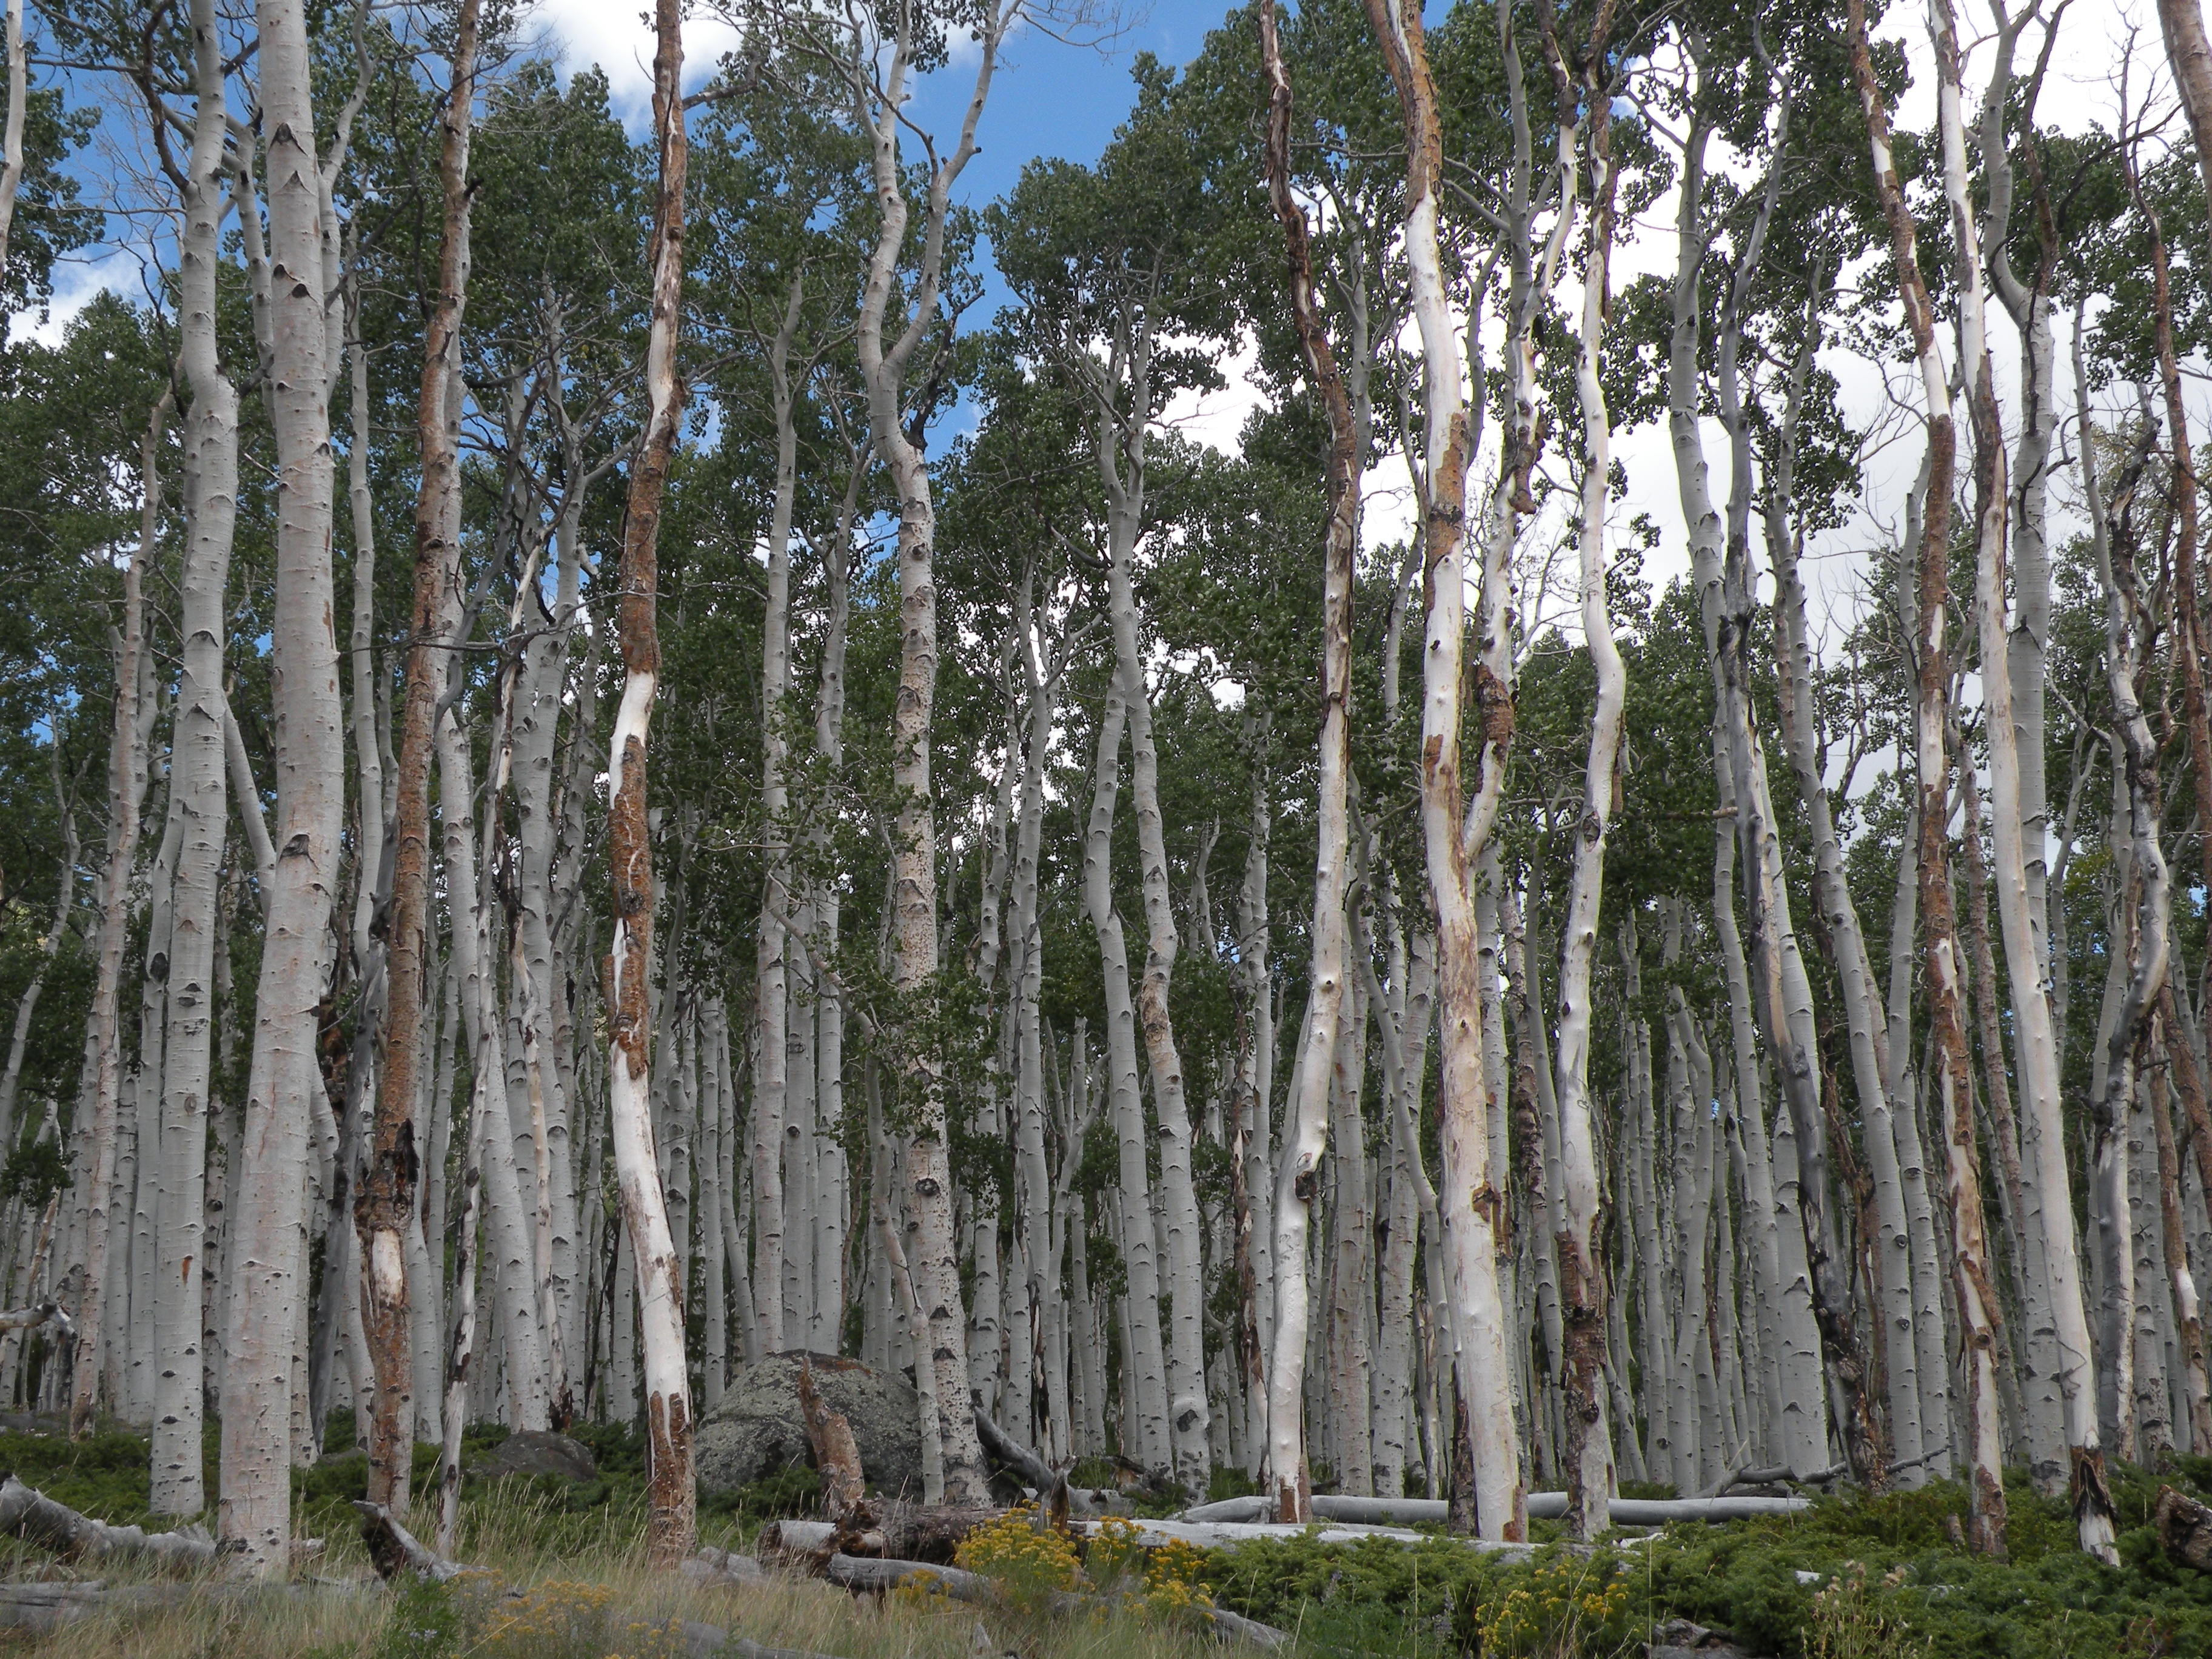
<point x="1051" y="97"/>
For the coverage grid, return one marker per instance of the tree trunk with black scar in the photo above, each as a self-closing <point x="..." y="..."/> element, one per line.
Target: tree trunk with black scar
<point x="672" y="1499"/>
<point x="388" y="1197"/>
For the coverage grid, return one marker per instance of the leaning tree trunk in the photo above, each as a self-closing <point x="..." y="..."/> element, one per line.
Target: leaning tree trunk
<point x="914" y="942"/>
<point x="672" y="1498"/>
<point x="1306" y="1135"/>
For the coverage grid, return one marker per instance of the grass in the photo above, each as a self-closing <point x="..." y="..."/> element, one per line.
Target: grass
<point x="593" y="1597"/>
<point x="566" y="1578"/>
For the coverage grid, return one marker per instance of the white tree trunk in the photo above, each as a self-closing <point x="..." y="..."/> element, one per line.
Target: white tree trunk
<point x="267" y="1264"/>
<point x="126" y="773"/>
<point x="672" y="1497"/>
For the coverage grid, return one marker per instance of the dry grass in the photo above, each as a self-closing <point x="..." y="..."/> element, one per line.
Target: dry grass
<point x="342" y="1614"/>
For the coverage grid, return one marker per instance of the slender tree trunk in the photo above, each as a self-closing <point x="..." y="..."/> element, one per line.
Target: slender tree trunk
<point x="770" y="975"/>
<point x="461" y="1356"/>
<point x="1456" y="830"/>
<point x="126" y="773"/>
<point x="1039" y="1292"/>
<point x="268" y="1265"/>
<point x="197" y="785"/>
<point x="388" y="1187"/>
<point x="672" y="1499"/>
<point x="1588" y="1452"/>
<point x="1306" y="1134"/>
<point x="1187" y="1410"/>
<point x="1144" y="1362"/>
<point x="2038" y="1044"/>
<point x="50" y="948"/>
<point x="914" y="928"/>
<point x="11" y="147"/>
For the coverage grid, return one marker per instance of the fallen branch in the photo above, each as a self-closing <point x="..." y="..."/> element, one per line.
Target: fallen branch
<point x="29" y="1513"/>
<point x="1014" y="1455"/>
<point x="46" y="1313"/>
<point x="395" y="1550"/>
<point x="1783" y="1474"/>
<point x="1058" y="1497"/>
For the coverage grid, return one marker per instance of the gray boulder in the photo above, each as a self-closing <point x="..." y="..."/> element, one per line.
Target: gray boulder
<point x="758" y="1429"/>
<point x="533" y="1452"/>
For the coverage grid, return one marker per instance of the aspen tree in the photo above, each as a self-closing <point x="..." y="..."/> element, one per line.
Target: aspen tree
<point x="772" y="1043"/>
<point x="197" y="789"/>
<point x="1306" y="1135"/>
<point x="1589" y="1450"/>
<point x="11" y="137"/>
<point x="126" y="770"/>
<point x="268" y="1253"/>
<point x="2037" y="1040"/>
<point x="886" y="347"/>
<point x="1455" y="828"/>
<point x="672" y="1498"/>
<point x="388" y="1189"/>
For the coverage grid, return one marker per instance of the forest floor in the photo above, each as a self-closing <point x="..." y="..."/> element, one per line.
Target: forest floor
<point x="564" y="1577"/>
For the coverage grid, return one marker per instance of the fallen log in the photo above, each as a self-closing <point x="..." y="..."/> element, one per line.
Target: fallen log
<point x="803" y="1543"/>
<point x="1227" y="1534"/>
<point x="29" y="1513"/>
<point x="744" y="1647"/>
<point x="1362" y="1511"/>
<point x="42" y="1608"/>
<point x="1660" y="1512"/>
<point x="1542" y="1506"/>
<point x="866" y="1573"/>
<point x="904" y="1532"/>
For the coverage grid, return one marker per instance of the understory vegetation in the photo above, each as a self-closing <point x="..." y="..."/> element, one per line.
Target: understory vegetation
<point x="559" y="1571"/>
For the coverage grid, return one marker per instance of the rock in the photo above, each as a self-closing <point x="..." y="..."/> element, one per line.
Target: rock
<point x="713" y="1569"/>
<point x="532" y="1451"/>
<point x="1679" y="1638"/>
<point x="758" y="1429"/>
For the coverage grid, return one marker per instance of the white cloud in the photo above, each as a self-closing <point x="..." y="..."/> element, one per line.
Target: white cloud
<point x="617" y="36"/>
